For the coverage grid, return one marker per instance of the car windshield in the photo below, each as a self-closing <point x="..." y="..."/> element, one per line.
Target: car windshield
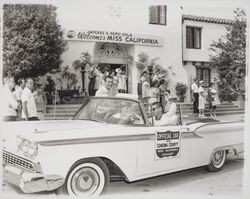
<point x="113" y="111"/>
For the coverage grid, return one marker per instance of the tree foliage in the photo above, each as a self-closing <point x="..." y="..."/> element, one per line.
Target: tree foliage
<point x="230" y="58"/>
<point x="33" y="40"/>
<point x="81" y="63"/>
<point x="68" y="76"/>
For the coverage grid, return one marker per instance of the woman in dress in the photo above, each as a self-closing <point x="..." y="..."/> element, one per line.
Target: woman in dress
<point x="202" y="100"/>
<point x="212" y="97"/>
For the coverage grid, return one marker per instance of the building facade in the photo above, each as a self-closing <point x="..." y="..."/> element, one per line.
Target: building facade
<point x="198" y="34"/>
<point x="157" y="28"/>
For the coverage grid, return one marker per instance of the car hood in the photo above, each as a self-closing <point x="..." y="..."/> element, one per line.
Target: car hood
<point x="65" y="125"/>
<point x="61" y="130"/>
<point x="47" y="126"/>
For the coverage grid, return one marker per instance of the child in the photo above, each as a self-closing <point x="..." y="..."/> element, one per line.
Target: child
<point x="202" y="103"/>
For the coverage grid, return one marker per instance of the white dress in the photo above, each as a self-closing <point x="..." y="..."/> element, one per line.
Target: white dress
<point x="202" y="99"/>
<point x="201" y="102"/>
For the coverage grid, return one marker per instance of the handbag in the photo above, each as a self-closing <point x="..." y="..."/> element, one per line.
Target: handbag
<point x="215" y="101"/>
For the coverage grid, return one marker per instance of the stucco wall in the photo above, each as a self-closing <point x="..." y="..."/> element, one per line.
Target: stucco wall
<point x="209" y="32"/>
<point x="131" y="17"/>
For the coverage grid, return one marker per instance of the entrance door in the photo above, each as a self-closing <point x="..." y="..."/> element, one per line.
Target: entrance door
<point x="203" y="74"/>
<point x="111" y="68"/>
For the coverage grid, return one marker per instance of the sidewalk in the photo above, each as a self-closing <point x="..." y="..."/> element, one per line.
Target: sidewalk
<point x="228" y="118"/>
<point x="235" y="117"/>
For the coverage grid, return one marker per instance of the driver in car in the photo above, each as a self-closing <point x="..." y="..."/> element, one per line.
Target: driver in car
<point x="124" y="116"/>
<point x="161" y="118"/>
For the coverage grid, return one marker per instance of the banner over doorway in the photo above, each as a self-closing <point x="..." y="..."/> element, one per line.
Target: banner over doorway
<point x="114" y="37"/>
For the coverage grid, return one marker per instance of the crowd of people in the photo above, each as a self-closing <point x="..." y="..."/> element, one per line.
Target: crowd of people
<point x="97" y="77"/>
<point x="22" y="102"/>
<point x="201" y="96"/>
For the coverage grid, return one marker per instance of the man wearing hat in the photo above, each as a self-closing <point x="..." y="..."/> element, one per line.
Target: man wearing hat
<point x="161" y="118"/>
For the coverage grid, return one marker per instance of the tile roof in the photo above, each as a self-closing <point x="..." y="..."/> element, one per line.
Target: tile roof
<point x="207" y="19"/>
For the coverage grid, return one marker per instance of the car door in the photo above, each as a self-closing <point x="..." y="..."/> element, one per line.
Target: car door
<point x="161" y="150"/>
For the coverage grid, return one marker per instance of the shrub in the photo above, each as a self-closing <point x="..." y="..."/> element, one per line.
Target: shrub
<point x="181" y="89"/>
<point x="228" y="94"/>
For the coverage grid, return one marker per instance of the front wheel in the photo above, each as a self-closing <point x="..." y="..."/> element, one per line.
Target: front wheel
<point x="217" y="161"/>
<point x="87" y="178"/>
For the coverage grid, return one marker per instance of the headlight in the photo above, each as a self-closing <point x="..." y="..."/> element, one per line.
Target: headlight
<point x="32" y="149"/>
<point x="28" y="148"/>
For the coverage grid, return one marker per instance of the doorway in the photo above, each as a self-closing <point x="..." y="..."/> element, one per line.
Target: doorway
<point x="111" y="67"/>
<point x="204" y="74"/>
<point x="111" y="56"/>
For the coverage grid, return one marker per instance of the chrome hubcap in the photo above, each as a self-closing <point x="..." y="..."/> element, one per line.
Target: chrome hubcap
<point x="85" y="181"/>
<point x="218" y="157"/>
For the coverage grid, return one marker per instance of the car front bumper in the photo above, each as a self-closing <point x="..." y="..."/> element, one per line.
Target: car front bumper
<point x="30" y="182"/>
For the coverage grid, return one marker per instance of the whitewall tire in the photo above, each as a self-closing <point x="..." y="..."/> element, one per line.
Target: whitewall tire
<point x="87" y="178"/>
<point x="218" y="159"/>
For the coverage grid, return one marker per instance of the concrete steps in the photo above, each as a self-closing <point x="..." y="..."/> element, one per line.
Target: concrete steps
<point x="222" y="109"/>
<point x="217" y="110"/>
<point x="61" y="111"/>
<point x="66" y="111"/>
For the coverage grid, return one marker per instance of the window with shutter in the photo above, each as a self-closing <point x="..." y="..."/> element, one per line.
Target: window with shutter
<point x="203" y="74"/>
<point x="153" y="15"/>
<point x="158" y="14"/>
<point x="197" y="38"/>
<point x="163" y="10"/>
<point x="189" y="37"/>
<point x="193" y="37"/>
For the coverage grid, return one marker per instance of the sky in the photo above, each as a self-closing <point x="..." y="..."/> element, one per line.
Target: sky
<point x="209" y="8"/>
<point x="214" y="8"/>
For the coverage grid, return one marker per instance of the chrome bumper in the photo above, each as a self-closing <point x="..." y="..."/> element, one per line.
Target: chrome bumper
<point x="31" y="182"/>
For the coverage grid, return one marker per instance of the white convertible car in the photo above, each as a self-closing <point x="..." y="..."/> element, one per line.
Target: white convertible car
<point x="99" y="144"/>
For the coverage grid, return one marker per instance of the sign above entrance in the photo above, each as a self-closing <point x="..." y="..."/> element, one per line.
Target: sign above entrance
<point x="114" y="37"/>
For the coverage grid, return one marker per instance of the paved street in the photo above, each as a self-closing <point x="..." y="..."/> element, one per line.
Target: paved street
<point x="227" y="182"/>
